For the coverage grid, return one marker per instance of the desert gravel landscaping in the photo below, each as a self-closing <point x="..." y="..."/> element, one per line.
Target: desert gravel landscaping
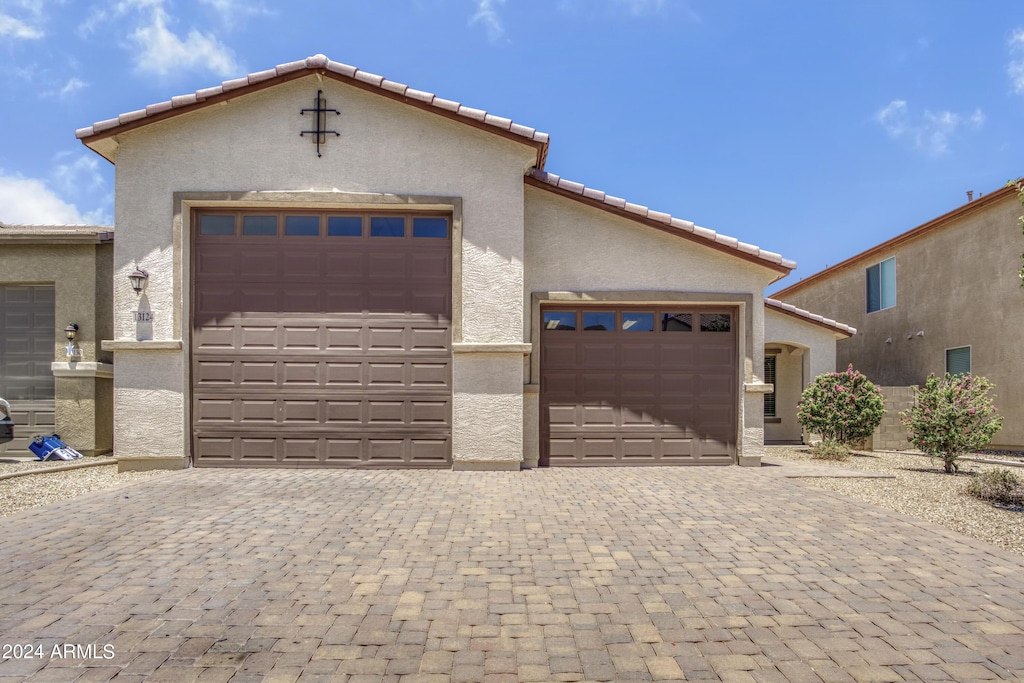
<point x="44" y="487"/>
<point x="917" y="486"/>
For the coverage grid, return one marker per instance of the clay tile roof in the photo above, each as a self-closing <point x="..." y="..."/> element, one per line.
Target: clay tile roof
<point x="662" y="221"/>
<point x="56" y="234"/>
<point x="316" y="64"/>
<point x="792" y="310"/>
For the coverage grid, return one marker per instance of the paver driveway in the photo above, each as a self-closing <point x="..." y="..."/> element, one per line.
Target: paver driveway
<point x="546" y="575"/>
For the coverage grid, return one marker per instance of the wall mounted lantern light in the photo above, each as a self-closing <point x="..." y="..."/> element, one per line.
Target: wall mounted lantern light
<point x="138" y="279"/>
<point x="71" y="332"/>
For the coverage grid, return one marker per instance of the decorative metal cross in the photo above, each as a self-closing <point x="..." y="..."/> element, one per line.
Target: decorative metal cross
<point x="320" y="111"/>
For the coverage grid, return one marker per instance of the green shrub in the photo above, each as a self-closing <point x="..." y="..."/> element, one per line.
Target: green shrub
<point x="830" y="450"/>
<point x="841" y="406"/>
<point x="998" y="486"/>
<point x="951" y="416"/>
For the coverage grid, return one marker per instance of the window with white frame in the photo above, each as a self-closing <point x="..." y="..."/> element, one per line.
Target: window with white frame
<point x="958" y="360"/>
<point x="881" y="285"/>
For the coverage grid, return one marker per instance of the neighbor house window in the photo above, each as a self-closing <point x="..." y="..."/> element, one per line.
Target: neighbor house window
<point x="958" y="361"/>
<point x="882" y="285"/>
<point x="769" y="378"/>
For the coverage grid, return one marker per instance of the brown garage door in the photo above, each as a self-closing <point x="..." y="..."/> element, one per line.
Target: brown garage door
<point x="321" y="340"/>
<point x="638" y="386"/>
<point x="26" y="352"/>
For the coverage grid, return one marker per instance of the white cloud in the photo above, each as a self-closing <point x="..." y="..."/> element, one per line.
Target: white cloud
<point x="162" y="51"/>
<point x="28" y="201"/>
<point x="231" y="11"/>
<point x="156" y="48"/>
<point x="1016" y="66"/>
<point x="487" y="14"/>
<point x="931" y="132"/>
<point x="78" y="174"/>
<point x="15" y="28"/>
<point x="70" y="87"/>
<point x="640" y="6"/>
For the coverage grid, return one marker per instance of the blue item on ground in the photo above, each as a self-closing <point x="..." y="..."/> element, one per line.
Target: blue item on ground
<point x="52" y="448"/>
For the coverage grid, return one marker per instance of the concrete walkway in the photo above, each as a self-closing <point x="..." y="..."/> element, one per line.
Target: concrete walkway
<point x="548" y="575"/>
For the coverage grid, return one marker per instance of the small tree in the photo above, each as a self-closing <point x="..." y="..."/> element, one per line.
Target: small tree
<point x="841" y="406"/>
<point x="951" y="416"/>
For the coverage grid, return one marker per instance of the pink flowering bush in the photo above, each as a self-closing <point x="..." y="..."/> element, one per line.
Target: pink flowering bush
<point x="952" y="415"/>
<point x="841" y="406"/>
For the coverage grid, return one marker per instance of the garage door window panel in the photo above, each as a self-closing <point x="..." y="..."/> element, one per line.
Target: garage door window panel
<point x="598" y="321"/>
<point x="216" y="225"/>
<point x="433" y="228"/>
<point x="677" y="322"/>
<point x="345" y="226"/>
<point x="302" y="226"/>
<point x="715" y="322"/>
<point x="559" y="320"/>
<point x="637" y="322"/>
<point x="387" y="226"/>
<point x="259" y="226"/>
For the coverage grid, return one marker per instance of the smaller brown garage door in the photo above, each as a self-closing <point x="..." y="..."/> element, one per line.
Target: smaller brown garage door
<point x="26" y="352"/>
<point x="638" y="386"/>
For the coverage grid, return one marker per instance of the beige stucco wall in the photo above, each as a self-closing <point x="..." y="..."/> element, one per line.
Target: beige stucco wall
<point x="250" y="144"/>
<point x="959" y="286"/>
<point x="806" y="350"/>
<point x="81" y="275"/>
<point x="572" y="247"/>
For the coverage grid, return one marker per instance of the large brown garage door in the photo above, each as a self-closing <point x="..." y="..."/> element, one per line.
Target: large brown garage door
<point x="321" y="340"/>
<point x="638" y="386"/>
<point x="26" y="352"/>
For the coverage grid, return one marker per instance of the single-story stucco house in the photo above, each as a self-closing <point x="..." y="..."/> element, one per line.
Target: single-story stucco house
<point x="56" y="281"/>
<point x="337" y="270"/>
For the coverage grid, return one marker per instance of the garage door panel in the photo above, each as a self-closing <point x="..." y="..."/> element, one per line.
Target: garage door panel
<point x="341" y="375"/>
<point x="394" y="300"/>
<point x="252" y="373"/>
<point x="342" y="300"/>
<point x="638" y="416"/>
<point x="598" y="356"/>
<point x="344" y="412"/>
<point x="298" y="411"/>
<point x="213" y="410"/>
<point x="427" y="302"/>
<point x="636" y="356"/>
<point x="599" y="416"/>
<point x="255" y="338"/>
<point x="257" y="411"/>
<point x="300" y="451"/>
<point x="28" y="340"/>
<point x="346" y="452"/>
<point x="301" y="374"/>
<point x="258" y="449"/>
<point x="638" y="395"/>
<point x="344" y="339"/>
<point x="599" y="385"/>
<point x="639" y="384"/>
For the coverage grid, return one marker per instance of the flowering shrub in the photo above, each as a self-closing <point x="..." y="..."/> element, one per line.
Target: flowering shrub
<point x="951" y="416"/>
<point x="841" y="406"/>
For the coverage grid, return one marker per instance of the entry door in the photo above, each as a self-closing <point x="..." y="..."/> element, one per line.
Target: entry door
<point x="638" y="385"/>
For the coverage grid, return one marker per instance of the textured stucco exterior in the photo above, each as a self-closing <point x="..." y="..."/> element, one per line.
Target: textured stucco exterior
<point x="575" y="248"/>
<point x="957" y="284"/>
<point x="81" y="276"/>
<point x="803" y="350"/>
<point x="251" y="145"/>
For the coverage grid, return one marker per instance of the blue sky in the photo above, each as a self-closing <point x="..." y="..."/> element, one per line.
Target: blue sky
<point x="814" y="129"/>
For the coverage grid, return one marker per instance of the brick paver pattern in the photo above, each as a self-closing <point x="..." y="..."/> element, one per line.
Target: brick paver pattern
<point x="616" y="574"/>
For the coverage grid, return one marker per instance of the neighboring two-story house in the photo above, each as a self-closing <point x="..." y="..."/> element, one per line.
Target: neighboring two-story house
<point x="943" y="297"/>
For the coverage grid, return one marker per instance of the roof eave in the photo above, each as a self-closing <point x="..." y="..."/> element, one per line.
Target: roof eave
<point x="95" y="140"/>
<point x="782" y="268"/>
